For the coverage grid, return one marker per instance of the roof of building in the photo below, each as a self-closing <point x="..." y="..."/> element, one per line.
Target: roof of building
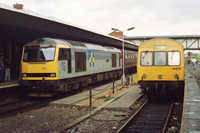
<point x="26" y="25"/>
<point x="117" y="34"/>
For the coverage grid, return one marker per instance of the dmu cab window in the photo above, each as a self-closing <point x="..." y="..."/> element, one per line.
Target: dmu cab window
<point x="146" y="58"/>
<point x="160" y="59"/>
<point x="174" y="58"/>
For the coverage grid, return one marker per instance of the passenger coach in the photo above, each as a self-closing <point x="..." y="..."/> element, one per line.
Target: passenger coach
<point x="160" y="66"/>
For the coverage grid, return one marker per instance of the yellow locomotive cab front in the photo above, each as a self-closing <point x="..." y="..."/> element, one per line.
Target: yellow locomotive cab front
<point x="39" y="66"/>
<point x="39" y="71"/>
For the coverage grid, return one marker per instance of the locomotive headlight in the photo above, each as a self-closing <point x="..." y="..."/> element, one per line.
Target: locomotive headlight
<point x="144" y="75"/>
<point x="24" y="75"/>
<point x="159" y="76"/>
<point x="52" y="75"/>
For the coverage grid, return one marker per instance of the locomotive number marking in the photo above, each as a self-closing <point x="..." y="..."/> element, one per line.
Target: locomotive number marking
<point x="176" y="68"/>
<point x="63" y="66"/>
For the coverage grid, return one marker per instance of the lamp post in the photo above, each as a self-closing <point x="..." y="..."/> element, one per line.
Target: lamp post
<point x="123" y="73"/>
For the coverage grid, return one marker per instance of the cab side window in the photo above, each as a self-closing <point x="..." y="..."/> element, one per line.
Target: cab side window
<point x="63" y="54"/>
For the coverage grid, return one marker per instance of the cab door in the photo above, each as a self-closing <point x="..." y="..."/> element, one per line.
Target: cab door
<point x="64" y="62"/>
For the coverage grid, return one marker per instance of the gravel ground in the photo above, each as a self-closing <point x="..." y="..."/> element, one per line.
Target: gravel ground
<point x="107" y="121"/>
<point x="42" y="120"/>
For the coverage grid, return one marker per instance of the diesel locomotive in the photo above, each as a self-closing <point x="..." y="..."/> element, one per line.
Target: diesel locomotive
<point x="160" y="66"/>
<point x="52" y="65"/>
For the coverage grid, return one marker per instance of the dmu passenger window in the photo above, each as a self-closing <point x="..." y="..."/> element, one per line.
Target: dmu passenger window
<point x="146" y="58"/>
<point x="174" y="58"/>
<point x="160" y="59"/>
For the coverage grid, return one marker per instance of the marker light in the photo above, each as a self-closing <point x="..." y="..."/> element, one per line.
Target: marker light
<point x="176" y="76"/>
<point x="52" y="75"/>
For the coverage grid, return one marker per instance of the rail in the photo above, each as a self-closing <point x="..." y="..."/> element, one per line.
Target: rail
<point x="151" y="117"/>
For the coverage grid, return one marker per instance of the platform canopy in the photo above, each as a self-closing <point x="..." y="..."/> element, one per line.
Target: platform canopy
<point x="22" y="26"/>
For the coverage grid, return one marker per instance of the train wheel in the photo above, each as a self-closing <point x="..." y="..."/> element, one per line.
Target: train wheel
<point x="94" y="79"/>
<point x="69" y="88"/>
<point x="75" y="86"/>
<point x="84" y="83"/>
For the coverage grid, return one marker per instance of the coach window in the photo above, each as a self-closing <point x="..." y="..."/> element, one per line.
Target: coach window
<point x="160" y="58"/>
<point x="174" y="58"/>
<point x="146" y="58"/>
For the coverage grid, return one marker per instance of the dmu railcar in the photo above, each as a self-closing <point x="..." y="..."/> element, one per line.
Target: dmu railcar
<point x="52" y="65"/>
<point x="160" y="66"/>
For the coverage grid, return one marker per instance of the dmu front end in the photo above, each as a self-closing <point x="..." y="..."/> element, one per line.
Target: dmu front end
<point x="160" y="66"/>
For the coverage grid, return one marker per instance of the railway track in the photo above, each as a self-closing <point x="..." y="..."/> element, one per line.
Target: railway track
<point x="24" y="103"/>
<point x="152" y="117"/>
<point x="21" y="106"/>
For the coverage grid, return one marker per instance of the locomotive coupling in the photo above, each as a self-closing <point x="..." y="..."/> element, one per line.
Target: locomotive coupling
<point x="159" y="76"/>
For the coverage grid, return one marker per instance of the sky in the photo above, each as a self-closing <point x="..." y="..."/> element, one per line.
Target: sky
<point x="149" y="17"/>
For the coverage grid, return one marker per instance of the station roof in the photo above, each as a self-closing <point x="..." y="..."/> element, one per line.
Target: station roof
<point x="24" y="26"/>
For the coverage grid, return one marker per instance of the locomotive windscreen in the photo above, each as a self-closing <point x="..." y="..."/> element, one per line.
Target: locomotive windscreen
<point x="40" y="53"/>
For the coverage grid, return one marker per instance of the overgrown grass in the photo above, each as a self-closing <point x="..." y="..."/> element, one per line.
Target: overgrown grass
<point x="71" y="119"/>
<point x="108" y="98"/>
<point x="117" y="98"/>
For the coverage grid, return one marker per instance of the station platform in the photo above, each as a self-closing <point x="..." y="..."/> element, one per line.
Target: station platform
<point x="78" y="97"/>
<point x="8" y="84"/>
<point x="126" y="100"/>
<point x="129" y="96"/>
<point x="191" y="107"/>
